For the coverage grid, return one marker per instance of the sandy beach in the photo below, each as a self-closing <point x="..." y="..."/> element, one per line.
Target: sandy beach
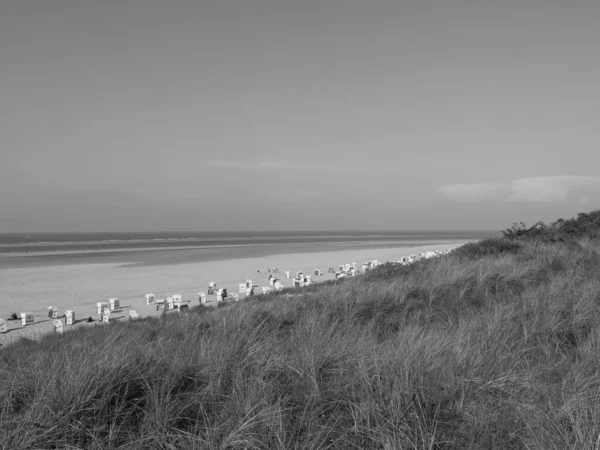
<point x="79" y="287"/>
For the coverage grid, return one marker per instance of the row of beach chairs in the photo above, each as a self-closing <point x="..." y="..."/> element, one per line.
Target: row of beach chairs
<point x="175" y="301"/>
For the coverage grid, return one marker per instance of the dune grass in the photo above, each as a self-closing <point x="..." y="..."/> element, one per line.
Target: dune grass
<point x="496" y="345"/>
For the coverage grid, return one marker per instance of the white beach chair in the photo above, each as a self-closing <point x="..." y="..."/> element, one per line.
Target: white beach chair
<point x="160" y="304"/>
<point x="52" y="312"/>
<point x="114" y="303"/>
<point x="278" y="286"/>
<point x="202" y="297"/>
<point x="287" y="274"/>
<point x="212" y="288"/>
<point x="266" y="290"/>
<point x="170" y="303"/>
<point x="249" y="283"/>
<point x="3" y="328"/>
<point x="58" y="326"/>
<point x="133" y="315"/>
<point x="150" y="298"/>
<point x="242" y="288"/>
<point x="106" y="316"/>
<point x="27" y="318"/>
<point x="177" y="301"/>
<point x="70" y="317"/>
<point x="102" y="306"/>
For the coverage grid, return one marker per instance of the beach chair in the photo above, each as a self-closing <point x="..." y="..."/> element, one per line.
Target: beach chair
<point x="150" y="298"/>
<point x="58" y="326"/>
<point x="70" y="317"/>
<point x="106" y="316"/>
<point x="278" y="286"/>
<point x="307" y="280"/>
<point x="177" y="301"/>
<point x="201" y="297"/>
<point x="331" y="270"/>
<point x="271" y="281"/>
<point x="287" y="274"/>
<point x="242" y="288"/>
<point x="249" y="291"/>
<point x="52" y="312"/>
<point x="170" y="303"/>
<point x="27" y="318"/>
<point x="114" y="303"/>
<point x="266" y="290"/>
<point x="212" y="288"/>
<point x="249" y="283"/>
<point x="220" y="295"/>
<point x="3" y="328"/>
<point x="133" y="315"/>
<point x="296" y="282"/>
<point x="235" y="297"/>
<point x="160" y="304"/>
<point x="102" y="306"/>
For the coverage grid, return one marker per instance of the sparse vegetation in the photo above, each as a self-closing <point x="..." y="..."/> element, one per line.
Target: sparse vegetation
<point x="494" y="346"/>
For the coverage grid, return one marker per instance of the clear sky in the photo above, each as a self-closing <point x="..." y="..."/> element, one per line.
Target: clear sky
<point x="121" y="115"/>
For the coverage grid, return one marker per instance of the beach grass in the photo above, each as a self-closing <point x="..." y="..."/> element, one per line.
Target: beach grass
<point x="494" y="346"/>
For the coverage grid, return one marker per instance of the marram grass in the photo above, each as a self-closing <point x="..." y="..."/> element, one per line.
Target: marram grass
<point x="480" y="349"/>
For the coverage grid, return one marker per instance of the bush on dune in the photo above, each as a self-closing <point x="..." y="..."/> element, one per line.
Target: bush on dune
<point x="492" y="346"/>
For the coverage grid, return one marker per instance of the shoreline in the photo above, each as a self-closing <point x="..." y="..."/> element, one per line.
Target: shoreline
<point x="188" y="255"/>
<point x="210" y="247"/>
<point x="80" y="286"/>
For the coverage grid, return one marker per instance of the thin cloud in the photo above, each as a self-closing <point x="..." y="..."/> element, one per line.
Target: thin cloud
<point x="270" y="165"/>
<point x="532" y="189"/>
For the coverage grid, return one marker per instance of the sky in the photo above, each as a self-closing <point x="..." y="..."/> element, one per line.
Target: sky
<point x="145" y="115"/>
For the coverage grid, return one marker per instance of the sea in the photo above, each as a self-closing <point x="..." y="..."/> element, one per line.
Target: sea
<point x="156" y="248"/>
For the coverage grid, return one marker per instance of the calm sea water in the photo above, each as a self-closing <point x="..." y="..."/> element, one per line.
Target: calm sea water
<point x="31" y="250"/>
<point x="82" y="241"/>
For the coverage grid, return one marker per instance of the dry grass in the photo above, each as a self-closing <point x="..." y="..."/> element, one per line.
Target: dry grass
<point x="490" y="349"/>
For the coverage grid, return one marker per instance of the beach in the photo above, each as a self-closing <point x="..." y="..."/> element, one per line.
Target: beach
<point x="79" y="287"/>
